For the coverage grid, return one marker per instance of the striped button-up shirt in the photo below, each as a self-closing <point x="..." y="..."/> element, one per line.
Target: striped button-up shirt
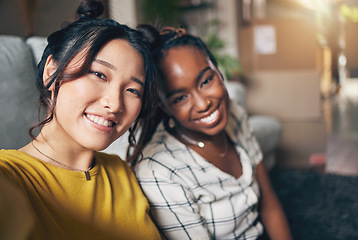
<point x="190" y="198"/>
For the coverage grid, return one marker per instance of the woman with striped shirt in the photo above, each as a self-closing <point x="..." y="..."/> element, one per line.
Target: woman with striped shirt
<point x="201" y="167"/>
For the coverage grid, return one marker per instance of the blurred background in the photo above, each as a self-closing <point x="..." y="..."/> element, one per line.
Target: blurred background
<point x="298" y="60"/>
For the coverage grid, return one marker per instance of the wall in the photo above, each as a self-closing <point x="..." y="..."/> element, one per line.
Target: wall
<point x="286" y="84"/>
<point x="291" y="70"/>
<point x="227" y="13"/>
<point x="295" y="43"/>
<point x="50" y="14"/>
<point x="123" y="11"/>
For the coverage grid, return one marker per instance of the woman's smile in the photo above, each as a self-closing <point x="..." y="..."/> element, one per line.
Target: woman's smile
<point x="212" y="119"/>
<point x="99" y="122"/>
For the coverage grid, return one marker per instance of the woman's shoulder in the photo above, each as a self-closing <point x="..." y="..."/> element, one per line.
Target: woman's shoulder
<point x="163" y="152"/>
<point x="162" y="143"/>
<point x="236" y="110"/>
<point x="13" y="155"/>
<point x="14" y="161"/>
<point x="178" y="165"/>
<point x="237" y="120"/>
<point x="158" y="154"/>
<point x="110" y="160"/>
<point x="106" y="156"/>
<point x="114" y="167"/>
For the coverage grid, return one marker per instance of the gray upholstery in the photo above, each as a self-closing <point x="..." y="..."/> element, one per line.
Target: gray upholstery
<point x="19" y="99"/>
<point x="237" y="92"/>
<point x="37" y="45"/>
<point x="18" y="93"/>
<point x="268" y="130"/>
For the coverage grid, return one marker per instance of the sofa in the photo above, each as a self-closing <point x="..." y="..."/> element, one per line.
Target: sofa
<point x="19" y="100"/>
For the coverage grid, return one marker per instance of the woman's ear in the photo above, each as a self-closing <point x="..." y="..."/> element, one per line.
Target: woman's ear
<point x="49" y="70"/>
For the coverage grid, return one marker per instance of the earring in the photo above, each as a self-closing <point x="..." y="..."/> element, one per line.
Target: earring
<point x="171" y="123"/>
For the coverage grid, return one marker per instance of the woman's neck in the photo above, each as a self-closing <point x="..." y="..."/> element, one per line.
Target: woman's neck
<point x="198" y="136"/>
<point x="51" y="148"/>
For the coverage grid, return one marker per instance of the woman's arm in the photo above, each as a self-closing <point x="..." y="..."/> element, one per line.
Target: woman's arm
<point x="16" y="220"/>
<point x="272" y="214"/>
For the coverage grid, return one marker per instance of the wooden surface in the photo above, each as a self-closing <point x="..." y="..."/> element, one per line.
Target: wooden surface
<point x="342" y="143"/>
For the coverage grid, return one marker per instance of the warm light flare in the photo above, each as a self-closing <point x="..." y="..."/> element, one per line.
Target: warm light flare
<point x="314" y="4"/>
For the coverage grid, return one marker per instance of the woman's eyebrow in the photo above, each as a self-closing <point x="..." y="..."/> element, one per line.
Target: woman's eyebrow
<point x="197" y="79"/>
<point x="134" y="79"/>
<point x="107" y="64"/>
<point x="171" y="93"/>
<point x="111" y="66"/>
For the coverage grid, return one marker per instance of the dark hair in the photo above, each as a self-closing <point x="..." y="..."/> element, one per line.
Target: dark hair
<point x="89" y="34"/>
<point x="168" y="38"/>
<point x="161" y="42"/>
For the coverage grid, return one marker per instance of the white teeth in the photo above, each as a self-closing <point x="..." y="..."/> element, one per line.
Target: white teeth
<point x="210" y="118"/>
<point x="100" y="120"/>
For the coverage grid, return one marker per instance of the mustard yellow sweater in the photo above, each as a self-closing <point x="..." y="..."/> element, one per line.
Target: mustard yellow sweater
<point x="67" y="206"/>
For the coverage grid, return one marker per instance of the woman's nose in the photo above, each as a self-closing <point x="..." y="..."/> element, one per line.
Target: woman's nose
<point x="202" y="103"/>
<point x="113" y="101"/>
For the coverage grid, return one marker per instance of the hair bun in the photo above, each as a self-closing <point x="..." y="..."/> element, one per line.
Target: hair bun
<point x="89" y="9"/>
<point x="151" y="34"/>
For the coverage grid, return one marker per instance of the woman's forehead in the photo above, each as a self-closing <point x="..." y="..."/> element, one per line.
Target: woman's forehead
<point x="183" y="60"/>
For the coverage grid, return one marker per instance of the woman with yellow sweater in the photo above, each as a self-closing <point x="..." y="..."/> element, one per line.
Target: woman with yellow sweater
<point x="96" y="81"/>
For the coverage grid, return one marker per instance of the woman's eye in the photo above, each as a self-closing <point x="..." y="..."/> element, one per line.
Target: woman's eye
<point x="134" y="91"/>
<point x="179" y="99"/>
<point x="99" y="75"/>
<point x="206" y="81"/>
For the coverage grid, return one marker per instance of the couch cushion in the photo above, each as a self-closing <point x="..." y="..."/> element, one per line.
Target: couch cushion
<point x="237" y="92"/>
<point x="267" y="130"/>
<point x="18" y="93"/>
<point x="37" y="45"/>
